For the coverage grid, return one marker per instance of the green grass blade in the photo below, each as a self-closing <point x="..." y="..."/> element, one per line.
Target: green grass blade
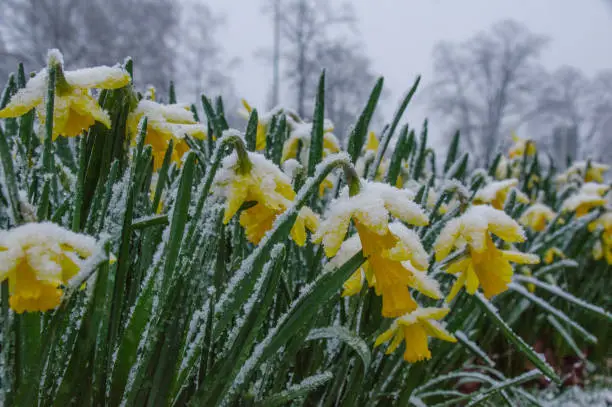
<point x="359" y="132"/>
<point x="316" y="137"/>
<point x="490" y="310"/>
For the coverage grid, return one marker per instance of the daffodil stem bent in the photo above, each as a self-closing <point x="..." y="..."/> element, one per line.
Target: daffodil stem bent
<point x="228" y="138"/>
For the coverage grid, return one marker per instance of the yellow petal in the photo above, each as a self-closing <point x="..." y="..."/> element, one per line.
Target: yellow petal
<point x="447" y="238"/>
<point x="458" y="266"/>
<point x="260" y="138"/>
<point x="353" y="285"/>
<point x="471" y="280"/>
<point x="520" y="258"/>
<point x="416" y="343"/>
<point x="372" y="144"/>
<point x="27" y="98"/>
<point x="397" y="339"/>
<point x="298" y="232"/>
<point x="434" y="329"/>
<point x="103" y="77"/>
<point x="426" y="285"/>
<point x="239" y="190"/>
<point x="246" y="105"/>
<point x="456" y="287"/>
<point x="384" y="337"/>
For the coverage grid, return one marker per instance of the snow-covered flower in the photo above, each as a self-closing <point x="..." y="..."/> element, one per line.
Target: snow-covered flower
<point x="74" y="109"/>
<point x="603" y="247"/>
<point x="261" y="182"/>
<point x="414" y="328"/>
<point x="588" y="197"/>
<point x="165" y="123"/>
<point x="520" y="146"/>
<point x="537" y="216"/>
<point x="39" y="259"/>
<point x="299" y="141"/>
<point x="395" y="255"/>
<point x="412" y="271"/>
<point x="594" y="172"/>
<point x="552" y="253"/>
<point x="483" y="263"/>
<point x="496" y="193"/>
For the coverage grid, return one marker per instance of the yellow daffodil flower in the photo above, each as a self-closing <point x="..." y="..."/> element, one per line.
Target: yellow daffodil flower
<point x="394" y="253"/>
<point x="496" y="193"/>
<point x="483" y="263"/>
<point x="550" y="254"/>
<point x="413" y="329"/>
<point x="594" y="172"/>
<point x="590" y="196"/>
<point x="372" y="143"/>
<point x="269" y="188"/>
<point x="537" y="216"/>
<point x="603" y="248"/>
<point x="520" y="146"/>
<point x="299" y="139"/>
<point x="165" y="123"/>
<point x="74" y="109"/>
<point x="39" y="259"/>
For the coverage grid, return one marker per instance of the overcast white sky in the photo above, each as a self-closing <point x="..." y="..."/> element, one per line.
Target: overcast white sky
<point x="399" y="36"/>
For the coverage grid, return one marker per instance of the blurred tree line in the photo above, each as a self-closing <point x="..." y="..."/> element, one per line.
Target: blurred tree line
<point x="167" y="38"/>
<point x="311" y="35"/>
<point x="494" y="83"/>
<point x="486" y="87"/>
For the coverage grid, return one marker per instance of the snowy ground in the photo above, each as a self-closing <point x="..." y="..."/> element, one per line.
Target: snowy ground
<point x="577" y="397"/>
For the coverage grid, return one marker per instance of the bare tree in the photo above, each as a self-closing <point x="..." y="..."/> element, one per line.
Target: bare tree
<point x="485" y="86"/>
<point x="305" y="26"/>
<point x="165" y="38"/>
<point x="569" y="100"/>
<point x="349" y="79"/>
<point x="200" y="63"/>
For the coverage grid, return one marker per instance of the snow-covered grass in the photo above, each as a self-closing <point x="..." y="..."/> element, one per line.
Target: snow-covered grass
<point x="124" y="282"/>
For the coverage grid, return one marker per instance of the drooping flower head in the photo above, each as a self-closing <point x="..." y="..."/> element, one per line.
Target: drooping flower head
<point x="496" y="193"/>
<point x="414" y="328"/>
<point x="74" y="109"/>
<point x="588" y="197"/>
<point x="262" y="183"/>
<point x="39" y="259"/>
<point x="394" y="253"/>
<point x="537" y="216"/>
<point x="521" y="146"/>
<point x="407" y="247"/>
<point x="483" y="264"/>
<point x="603" y="247"/>
<point x="165" y="123"/>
